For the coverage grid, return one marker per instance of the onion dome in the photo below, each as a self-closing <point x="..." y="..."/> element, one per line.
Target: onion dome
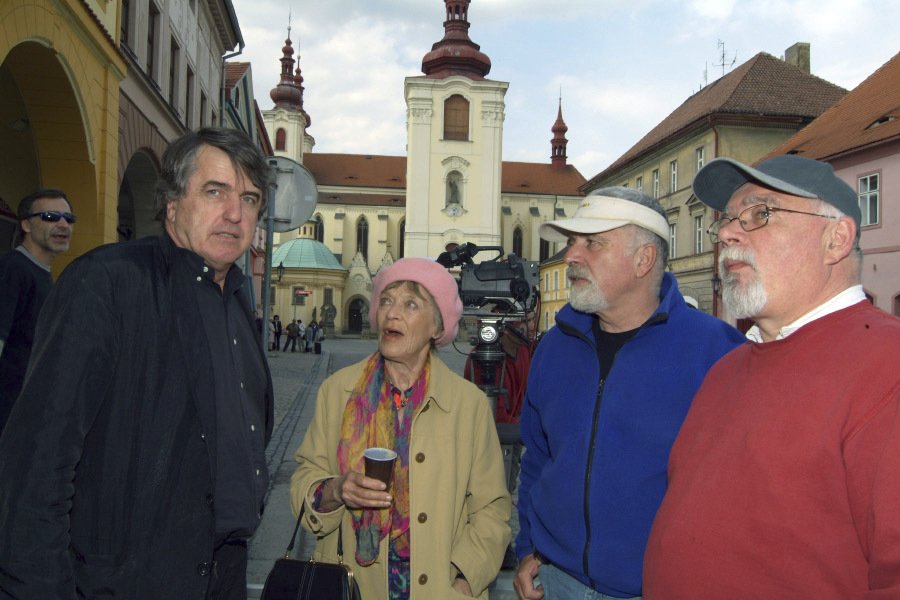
<point x="456" y="54"/>
<point x="287" y="94"/>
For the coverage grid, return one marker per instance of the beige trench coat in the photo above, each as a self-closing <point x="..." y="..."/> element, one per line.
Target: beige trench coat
<point x="459" y="504"/>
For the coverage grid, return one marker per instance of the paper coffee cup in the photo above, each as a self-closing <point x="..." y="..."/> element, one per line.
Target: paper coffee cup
<point x="380" y="464"/>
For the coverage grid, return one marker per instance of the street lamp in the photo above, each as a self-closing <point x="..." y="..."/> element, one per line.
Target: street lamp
<point x="279" y="271"/>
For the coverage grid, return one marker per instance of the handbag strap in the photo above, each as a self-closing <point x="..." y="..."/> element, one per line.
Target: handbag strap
<point x="340" y="544"/>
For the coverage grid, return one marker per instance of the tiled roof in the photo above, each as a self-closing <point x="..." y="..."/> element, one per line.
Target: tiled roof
<point x="233" y="72"/>
<point x="868" y="115"/>
<point x="362" y="170"/>
<point x="540" y="178"/>
<point x="303" y="253"/>
<point x="764" y="86"/>
<point x="357" y="170"/>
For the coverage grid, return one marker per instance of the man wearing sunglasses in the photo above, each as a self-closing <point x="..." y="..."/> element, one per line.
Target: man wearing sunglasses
<point x="784" y="481"/>
<point x="45" y="229"/>
<point x="133" y="465"/>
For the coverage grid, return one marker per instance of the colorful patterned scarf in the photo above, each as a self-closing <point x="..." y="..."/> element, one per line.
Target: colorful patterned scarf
<point x="372" y="419"/>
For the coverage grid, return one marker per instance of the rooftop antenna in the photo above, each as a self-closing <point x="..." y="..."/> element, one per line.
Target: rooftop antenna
<point x="724" y="62"/>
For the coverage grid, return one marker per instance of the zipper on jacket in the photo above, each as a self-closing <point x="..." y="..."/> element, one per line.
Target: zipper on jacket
<point x="587" y="481"/>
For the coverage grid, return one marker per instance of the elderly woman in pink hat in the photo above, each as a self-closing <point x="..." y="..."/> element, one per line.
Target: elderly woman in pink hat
<point x="440" y="530"/>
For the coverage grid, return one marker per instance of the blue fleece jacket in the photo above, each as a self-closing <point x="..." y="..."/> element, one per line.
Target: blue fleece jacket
<point x="594" y="471"/>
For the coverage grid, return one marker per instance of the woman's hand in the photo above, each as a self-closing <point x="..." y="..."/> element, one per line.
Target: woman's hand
<point x="462" y="586"/>
<point x="354" y="490"/>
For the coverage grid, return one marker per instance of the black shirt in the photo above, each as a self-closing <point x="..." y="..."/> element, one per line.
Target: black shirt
<point x="608" y="345"/>
<point x="241" y="477"/>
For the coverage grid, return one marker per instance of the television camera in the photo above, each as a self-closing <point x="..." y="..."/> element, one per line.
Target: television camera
<point x="495" y="292"/>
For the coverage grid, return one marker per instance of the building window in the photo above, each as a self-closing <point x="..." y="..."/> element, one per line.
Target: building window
<point x="673" y="176"/>
<point x="280" y="139"/>
<point x="555" y="281"/>
<point x="402" y="252"/>
<point x="152" y="29"/>
<point x="174" y="59"/>
<point x="545" y="250"/>
<point x="362" y="238"/>
<point x="319" y="234"/>
<point x="639" y="183"/>
<point x="700" y="154"/>
<point x="517" y="242"/>
<point x="673" y="237"/>
<point x="299" y="296"/>
<point x="126" y="22"/>
<point x="202" y="109"/>
<point x="868" y="199"/>
<point x="699" y="234"/>
<point x="547" y="282"/>
<point x="456" y="118"/>
<point x="656" y="183"/>
<point x="189" y="99"/>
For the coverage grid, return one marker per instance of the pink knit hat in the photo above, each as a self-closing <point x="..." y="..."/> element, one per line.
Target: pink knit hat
<point x="434" y="278"/>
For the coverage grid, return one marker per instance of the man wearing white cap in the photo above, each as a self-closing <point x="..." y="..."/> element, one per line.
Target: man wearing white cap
<point x="784" y="481"/>
<point x="608" y="389"/>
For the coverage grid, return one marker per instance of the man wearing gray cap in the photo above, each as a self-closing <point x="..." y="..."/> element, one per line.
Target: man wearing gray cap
<point x="784" y="481"/>
<point x="608" y="388"/>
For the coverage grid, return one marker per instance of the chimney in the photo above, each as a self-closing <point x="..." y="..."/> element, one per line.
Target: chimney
<point x="798" y="55"/>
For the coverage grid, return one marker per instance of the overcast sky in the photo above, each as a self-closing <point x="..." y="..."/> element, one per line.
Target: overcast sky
<point x="622" y="65"/>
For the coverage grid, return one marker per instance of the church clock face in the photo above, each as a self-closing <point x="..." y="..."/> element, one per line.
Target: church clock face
<point x="454" y="210"/>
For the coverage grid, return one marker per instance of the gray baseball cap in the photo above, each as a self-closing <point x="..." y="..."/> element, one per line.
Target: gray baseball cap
<point x="716" y="182"/>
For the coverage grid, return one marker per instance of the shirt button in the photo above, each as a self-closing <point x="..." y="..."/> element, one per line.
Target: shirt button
<point x="205" y="269"/>
<point x="203" y="569"/>
<point x="257" y="472"/>
<point x="420" y="457"/>
<point x="423" y="579"/>
<point x="422" y="517"/>
<point x="253" y="428"/>
<point x="242" y="385"/>
<point x="235" y="341"/>
<point x="199" y="278"/>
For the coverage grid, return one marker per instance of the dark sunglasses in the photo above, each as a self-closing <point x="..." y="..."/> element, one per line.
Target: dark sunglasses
<point x="52" y="216"/>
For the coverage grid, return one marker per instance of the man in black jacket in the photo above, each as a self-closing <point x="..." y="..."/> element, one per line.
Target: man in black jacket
<point x="134" y="465"/>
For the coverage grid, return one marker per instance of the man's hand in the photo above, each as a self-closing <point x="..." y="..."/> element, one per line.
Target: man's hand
<point x="524" y="581"/>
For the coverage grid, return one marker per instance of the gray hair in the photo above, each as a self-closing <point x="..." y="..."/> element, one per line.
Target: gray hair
<point x="180" y="162"/>
<point x="642" y="236"/>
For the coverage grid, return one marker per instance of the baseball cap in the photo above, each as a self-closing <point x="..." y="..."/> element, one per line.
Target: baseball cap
<point x="598" y="213"/>
<point x="716" y="182"/>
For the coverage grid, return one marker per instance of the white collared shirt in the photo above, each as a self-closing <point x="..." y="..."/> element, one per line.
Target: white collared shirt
<point x="852" y="295"/>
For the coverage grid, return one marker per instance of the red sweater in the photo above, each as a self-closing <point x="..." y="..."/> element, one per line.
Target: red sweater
<point x="784" y="481"/>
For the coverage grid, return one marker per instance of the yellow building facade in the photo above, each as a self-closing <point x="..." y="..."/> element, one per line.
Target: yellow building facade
<point x="60" y="72"/>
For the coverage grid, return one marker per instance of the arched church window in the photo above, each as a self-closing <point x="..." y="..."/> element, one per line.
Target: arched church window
<point x="280" y="139"/>
<point x="517" y="242"/>
<point x="319" y="232"/>
<point x="362" y="237"/>
<point x="456" y="118"/>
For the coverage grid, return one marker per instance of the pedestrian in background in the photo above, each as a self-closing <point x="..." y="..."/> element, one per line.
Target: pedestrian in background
<point x="276" y="324"/>
<point x="134" y="466"/>
<point x="292" y="334"/>
<point x="45" y="229"/>
<point x="310" y="335"/>
<point x="608" y="389"/>
<point x="784" y="481"/>
<point x="441" y="529"/>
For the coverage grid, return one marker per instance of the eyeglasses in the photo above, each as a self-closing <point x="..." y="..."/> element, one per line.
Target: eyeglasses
<point x="752" y="218"/>
<point x="52" y="216"/>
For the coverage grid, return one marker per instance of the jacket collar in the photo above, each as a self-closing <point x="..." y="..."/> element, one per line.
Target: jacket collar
<point x="670" y="299"/>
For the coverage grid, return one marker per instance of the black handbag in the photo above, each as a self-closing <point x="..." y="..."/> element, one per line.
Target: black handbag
<point x="293" y="579"/>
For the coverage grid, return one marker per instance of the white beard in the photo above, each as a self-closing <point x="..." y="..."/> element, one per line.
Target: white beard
<point x="586" y="298"/>
<point x="742" y="301"/>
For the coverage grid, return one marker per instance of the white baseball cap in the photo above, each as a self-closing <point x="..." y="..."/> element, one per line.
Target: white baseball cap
<point x="598" y="213"/>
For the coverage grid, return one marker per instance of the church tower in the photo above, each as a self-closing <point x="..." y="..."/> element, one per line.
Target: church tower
<point x="286" y="123"/>
<point x="454" y="144"/>
<point x="559" y="141"/>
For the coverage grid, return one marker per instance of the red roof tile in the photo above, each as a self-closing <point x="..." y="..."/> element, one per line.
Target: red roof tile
<point x="867" y="116"/>
<point x="540" y="178"/>
<point x="764" y="86"/>
<point x="233" y="72"/>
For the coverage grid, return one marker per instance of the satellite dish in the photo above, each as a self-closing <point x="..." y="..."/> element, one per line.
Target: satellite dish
<point x="293" y="196"/>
